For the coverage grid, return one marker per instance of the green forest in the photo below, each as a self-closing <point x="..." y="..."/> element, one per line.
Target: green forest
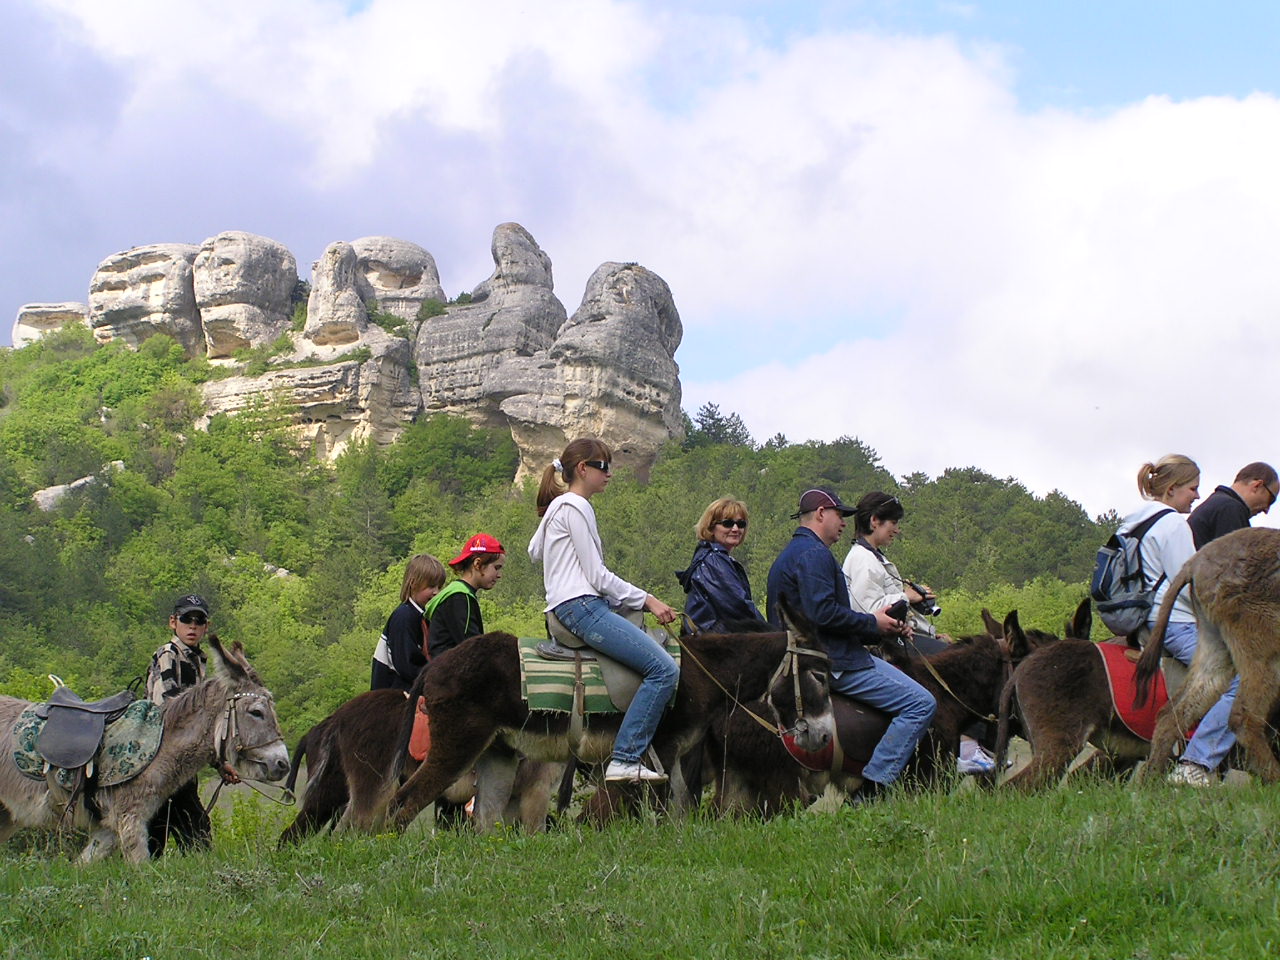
<point x="302" y="560"/>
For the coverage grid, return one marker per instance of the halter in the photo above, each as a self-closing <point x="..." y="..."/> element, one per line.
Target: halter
<point x="790" y="663"/>
<point x="227" y="732"/>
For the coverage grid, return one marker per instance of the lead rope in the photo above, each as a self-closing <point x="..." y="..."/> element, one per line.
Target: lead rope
<point x="987" y="718"/>
<point x="792" y="649"/>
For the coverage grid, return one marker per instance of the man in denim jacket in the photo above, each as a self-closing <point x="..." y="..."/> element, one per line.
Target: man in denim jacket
<point x="807" y="576"/>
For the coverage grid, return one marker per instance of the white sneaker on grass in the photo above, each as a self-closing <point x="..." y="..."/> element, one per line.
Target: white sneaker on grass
<point x="1191" y="774"/>
<point x="635" y="772"/>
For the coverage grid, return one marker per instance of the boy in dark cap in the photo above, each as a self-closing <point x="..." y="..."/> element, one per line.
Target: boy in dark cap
<point x="177" y="665"/>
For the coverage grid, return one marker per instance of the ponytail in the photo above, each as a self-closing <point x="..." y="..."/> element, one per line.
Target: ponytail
<point x="1172" y="470"/>
<point x="559" y="473"/>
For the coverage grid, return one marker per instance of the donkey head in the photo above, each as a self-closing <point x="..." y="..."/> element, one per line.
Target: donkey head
<point x="798" y="691"/>
<point x="248" y="734"/>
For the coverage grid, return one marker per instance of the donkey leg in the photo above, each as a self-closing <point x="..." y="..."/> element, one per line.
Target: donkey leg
<point x="454" y="751"/>
<point x="536" y="780"/>
<point x="495" y="778"/>
<point x="102" y="842"/>
<point x="1249" y="713"/>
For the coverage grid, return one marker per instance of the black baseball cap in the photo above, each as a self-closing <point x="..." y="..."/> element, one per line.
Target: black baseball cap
<point x="816" y="497"/>
<point x="190" y="603"/>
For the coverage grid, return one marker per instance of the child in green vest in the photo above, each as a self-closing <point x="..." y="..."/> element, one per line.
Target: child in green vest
<point x="454" y="613"/>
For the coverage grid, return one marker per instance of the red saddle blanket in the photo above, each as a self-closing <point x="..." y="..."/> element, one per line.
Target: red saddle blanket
<point x="1120" y="673"/>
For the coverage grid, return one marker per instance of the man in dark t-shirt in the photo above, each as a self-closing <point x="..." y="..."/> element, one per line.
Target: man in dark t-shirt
<point x="1228" y="509"/>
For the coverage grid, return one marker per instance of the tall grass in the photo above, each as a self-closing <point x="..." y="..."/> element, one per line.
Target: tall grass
<point x="1089" y="870"/>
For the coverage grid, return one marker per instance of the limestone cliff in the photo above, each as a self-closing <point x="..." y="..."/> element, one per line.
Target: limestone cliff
<point x="507" y="356"/>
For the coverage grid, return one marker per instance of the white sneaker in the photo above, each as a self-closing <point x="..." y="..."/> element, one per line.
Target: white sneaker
<point x="1191" y="774"/>
<point x="978" y="762"/>
<point x="635" y="772"/>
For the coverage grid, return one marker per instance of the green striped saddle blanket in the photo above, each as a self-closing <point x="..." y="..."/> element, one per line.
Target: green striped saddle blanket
<point x="129" y="743"/>
<point x="548" y="684"/>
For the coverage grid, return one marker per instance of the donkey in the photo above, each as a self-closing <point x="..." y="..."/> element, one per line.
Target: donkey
<point x="472" y="693"/>
<point x="229" y="716"/>
<point x="1062" y="696"/>
<point x="351" y="759"/>
<point x="1234" y="587"/>
<point x="756" y="774"/>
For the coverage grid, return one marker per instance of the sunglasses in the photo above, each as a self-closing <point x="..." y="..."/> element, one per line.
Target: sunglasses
<point x="199" y="619"/>
<point x="730" y="524"/>
<point x="602" y="465"/>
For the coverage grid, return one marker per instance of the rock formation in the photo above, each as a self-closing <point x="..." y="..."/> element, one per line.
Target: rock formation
<point x="512" y="314"/>
<point x="509" y="358"/>
<point x="243" y="287"/>
<point x="36" y="319"/>
<point x="144" y="291"/>
<point x="397" y="274"/>
<point x="610" y="373"/>
<point x="336" y="314"/>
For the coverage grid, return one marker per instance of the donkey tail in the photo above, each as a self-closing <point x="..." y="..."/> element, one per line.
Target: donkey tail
<point x="1149" y="662"/>
<point x="295" y="765"/>
<point x="1007" y="696"/>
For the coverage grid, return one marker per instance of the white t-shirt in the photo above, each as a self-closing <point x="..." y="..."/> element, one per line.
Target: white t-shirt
<point x="568" y="545"/>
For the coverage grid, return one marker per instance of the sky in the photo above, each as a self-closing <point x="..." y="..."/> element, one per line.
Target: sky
<point x="1035" y="238"/>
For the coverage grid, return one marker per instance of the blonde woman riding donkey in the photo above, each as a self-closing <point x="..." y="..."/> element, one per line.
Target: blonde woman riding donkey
<point x="583" y="594"/>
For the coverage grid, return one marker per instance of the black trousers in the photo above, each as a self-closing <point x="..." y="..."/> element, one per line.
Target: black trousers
<point x="182" y="816"/>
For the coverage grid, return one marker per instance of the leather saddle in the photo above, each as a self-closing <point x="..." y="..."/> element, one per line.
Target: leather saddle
<point x="74" y="728"/>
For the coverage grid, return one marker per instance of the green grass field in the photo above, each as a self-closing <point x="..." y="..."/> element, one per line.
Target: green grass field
<point x="1088" y="870"/>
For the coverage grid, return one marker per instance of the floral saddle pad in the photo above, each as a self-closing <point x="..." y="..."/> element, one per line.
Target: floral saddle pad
<point x="129" y="743"/>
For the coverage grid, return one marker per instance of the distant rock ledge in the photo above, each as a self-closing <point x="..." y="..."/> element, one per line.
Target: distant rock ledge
<point x="380" y="344"/>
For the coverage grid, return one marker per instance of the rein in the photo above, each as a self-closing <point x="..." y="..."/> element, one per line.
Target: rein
<point x="1006" y="670"/>
<point x="789" y="664"/>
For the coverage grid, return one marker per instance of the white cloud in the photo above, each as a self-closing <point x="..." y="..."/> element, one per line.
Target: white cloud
<point x="922" y="263"/>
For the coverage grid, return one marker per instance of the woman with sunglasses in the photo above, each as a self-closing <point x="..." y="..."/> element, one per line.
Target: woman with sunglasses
<point x="716" y="583"/>
<point x="583" y="594"/>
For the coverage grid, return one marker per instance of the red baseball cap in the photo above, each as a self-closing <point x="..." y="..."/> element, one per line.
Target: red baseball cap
<point x="480" y="543"/>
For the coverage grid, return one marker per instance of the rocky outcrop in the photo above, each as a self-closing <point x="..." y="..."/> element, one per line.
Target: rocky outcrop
<point x="243" y="287"/>
<point x="336" y="314"/>
<point x="36" y="319"/>
<point x="509" y="358"/>
<point x="513" y="314"/>
<point x="350" y="398"/>
<point x="49" y="497"/>
<point x="397" y="274"/>
<point x="144" y="291"/>
<point x="611" y="373"/>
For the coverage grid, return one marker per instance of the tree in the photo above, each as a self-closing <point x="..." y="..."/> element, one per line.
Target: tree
<point x="711" y="427"/>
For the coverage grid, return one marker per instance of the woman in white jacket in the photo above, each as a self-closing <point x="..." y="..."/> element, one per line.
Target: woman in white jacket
<point x="582" y="592"/>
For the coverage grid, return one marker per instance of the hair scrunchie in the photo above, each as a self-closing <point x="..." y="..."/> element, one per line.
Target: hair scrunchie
<point x="559" y="467"/>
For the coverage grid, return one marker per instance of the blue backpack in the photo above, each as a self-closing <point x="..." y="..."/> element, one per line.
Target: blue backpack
<point x="1119" y="586"/>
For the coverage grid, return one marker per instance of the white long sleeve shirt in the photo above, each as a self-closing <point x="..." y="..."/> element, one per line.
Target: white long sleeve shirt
<point x="1165" y="548"/>
<point x="567" y="543"/>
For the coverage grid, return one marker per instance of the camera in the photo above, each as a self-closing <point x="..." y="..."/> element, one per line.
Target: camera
<point x="898" y="610"/>
<point x="929" y="606"/>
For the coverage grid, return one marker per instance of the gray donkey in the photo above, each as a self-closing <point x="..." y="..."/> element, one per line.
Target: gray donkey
<point x="228" y="716"/>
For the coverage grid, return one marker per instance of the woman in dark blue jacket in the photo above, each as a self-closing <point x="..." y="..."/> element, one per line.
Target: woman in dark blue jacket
<point x="719" y="592"/>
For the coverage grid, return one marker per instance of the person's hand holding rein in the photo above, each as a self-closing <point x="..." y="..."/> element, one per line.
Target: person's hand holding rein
<point x="659" y="609"/>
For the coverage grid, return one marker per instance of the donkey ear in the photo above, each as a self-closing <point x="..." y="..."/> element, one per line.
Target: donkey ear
<point x="796" y="623"/>
<point x="230" y="663"/>
<point x="992" y="624"/>
<point x="1081" y="624"/>
<point x="1014" y="636"/>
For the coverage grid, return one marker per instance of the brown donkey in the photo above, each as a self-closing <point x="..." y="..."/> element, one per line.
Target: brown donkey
<point x="1234" y="585"/>
<point x="1062" y="697"/>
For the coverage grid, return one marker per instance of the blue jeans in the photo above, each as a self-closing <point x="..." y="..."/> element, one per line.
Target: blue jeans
<point x="590" y="619"/>
<point x="1213" y="738"/>
<point x="912" y="707"/>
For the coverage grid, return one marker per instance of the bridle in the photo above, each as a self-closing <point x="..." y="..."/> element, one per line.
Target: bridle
<point x="227" y="745"/>
<point x="790" y="664"/>
<point x="1006" y="671"/>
